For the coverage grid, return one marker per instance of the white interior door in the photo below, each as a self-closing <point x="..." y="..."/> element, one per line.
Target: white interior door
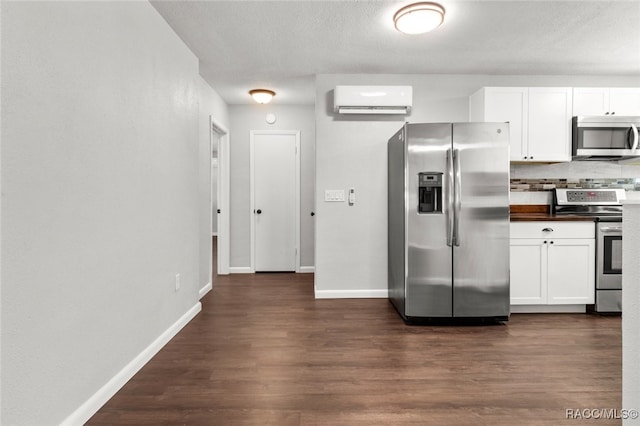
<point x="220" y="212"/>
<point x="275" y="207"/>
<point x="214" y="183"/>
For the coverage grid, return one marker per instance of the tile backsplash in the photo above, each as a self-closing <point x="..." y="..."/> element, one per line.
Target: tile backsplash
<point x="536" y="185"/>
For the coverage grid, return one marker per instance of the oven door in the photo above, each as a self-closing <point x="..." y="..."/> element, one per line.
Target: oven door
<point x="609" y="256"/>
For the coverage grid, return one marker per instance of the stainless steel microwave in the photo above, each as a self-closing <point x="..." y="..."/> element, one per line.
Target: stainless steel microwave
<point x="605" y="137"/>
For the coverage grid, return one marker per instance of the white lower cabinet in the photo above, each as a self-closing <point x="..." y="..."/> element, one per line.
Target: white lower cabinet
<point x="528" y="271"/>
<point x="552" y="263"/>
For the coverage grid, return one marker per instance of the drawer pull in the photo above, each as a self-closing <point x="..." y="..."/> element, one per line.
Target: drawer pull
<point x="547" y="229"/>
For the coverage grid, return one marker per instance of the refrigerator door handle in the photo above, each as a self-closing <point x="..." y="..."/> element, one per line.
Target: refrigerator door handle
<point x="457" y="202"/>
<point x="449" y="195"/>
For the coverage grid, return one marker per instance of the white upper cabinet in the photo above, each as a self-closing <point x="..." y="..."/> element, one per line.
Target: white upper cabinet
<point x="550" y="124"/>
<point x="504" y="104"/>
<point x="590" y="101"/>
<point x="606" y="101"/>
<point x="539" y="119"/>
<point x="624" y="101"/>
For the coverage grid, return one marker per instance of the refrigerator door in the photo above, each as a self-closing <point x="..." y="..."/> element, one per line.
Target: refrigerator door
<point x="481" y="228"/>
<point x="428" y="281"/>
<point x="396" y="214"/>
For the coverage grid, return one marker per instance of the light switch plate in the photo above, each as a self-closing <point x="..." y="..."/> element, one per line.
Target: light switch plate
<point x="334" y="195"/>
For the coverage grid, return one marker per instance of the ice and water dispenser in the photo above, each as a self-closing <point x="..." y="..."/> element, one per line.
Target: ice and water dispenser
<point x="430" y="192"/>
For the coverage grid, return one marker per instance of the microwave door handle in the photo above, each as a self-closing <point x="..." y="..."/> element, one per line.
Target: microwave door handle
<point x="634" y="130"/>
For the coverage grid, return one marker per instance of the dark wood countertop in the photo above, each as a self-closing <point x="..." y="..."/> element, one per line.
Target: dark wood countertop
<point x="533" y="217"/>
<point x="537" y="213"/>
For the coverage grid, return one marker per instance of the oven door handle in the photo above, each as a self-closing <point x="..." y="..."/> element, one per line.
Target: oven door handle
<point x="611" y="229"/>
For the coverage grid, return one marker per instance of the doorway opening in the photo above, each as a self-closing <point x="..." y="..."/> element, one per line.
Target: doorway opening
<point x="219" y="218"/>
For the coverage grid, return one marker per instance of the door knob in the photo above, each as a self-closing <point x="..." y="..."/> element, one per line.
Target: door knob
<point x="258" y="211"/>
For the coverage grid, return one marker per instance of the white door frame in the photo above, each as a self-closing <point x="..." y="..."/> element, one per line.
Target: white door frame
<point x="223" y="196"/>
<point x="253" y="133"/>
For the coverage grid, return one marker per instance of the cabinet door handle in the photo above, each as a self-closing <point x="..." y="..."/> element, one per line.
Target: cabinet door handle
<point x="551" y="242"/>
<point x="545" y="242"/>
<point x="547" y="229"/>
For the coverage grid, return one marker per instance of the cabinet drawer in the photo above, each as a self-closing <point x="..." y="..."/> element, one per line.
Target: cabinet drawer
<point x="553" y="229"/>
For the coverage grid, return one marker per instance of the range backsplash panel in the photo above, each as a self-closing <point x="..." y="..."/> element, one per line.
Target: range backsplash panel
<point x="534" y="185"/>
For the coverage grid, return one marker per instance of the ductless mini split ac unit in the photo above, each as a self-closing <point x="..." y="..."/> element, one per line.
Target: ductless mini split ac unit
<point x="372" y="99"/>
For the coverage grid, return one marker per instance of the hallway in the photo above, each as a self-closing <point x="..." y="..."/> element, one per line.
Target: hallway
<point x="263" y="351"/>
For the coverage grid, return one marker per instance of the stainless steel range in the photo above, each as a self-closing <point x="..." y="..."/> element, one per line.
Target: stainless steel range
<point x="606" y="208"/>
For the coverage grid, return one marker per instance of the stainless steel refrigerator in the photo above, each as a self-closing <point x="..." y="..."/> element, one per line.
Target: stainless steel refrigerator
<point x="448" y="213"/>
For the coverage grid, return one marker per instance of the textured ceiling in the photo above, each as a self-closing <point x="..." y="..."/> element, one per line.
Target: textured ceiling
<point x="281" y="45"/>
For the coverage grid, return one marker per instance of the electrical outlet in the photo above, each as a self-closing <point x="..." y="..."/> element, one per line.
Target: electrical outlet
<point x="178" y="281"/>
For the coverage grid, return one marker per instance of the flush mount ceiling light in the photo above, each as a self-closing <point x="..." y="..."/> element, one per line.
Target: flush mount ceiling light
<point x="418" y="18"/>
<point x="262" y="96"/>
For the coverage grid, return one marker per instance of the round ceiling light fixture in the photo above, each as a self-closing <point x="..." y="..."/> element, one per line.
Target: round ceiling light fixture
<point x="262" y="96"/>
<point x="419" y="18"/>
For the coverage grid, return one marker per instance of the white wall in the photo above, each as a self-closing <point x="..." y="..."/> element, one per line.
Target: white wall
<point x="631" y="309"/>
<point x="100" y="197"/>
<point x="243" y="119"/>
<point x="351" y="242"/>
<point x="210" y="105"/>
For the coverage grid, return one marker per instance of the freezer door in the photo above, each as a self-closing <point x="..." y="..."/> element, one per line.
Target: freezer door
<point x="428" y="282"/>
<point x="481" y="228"/>
<point x="396" y="220"/>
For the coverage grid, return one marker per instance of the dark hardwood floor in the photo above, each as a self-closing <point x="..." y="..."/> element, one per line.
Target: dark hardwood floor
<point x="264" y="352"/>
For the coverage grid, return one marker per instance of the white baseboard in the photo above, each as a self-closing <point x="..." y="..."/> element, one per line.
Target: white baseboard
<point x="352" y="294"/>
<point x="240" y="270"/>
<point x="204" y="290"/>
<point x="97" y="400"/>
<point x="307" y="269"/>
<point x="548" y="309"/>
